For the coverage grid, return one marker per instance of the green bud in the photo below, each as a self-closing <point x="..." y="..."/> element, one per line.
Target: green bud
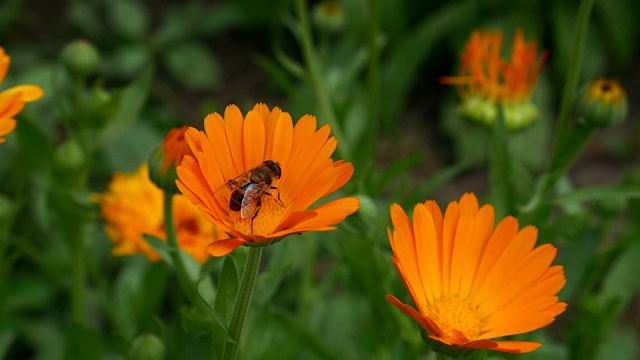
<point x="147" y="347"/>
<point x="602" y="103"/>
<point x="517" y="114"/>
<point x="69" y="155"/>
<point x="328" y="15"/>
<point x="80" y="58"/>
<point x="165" y="179"/>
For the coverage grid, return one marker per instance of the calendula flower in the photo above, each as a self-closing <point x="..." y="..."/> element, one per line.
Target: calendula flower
<point x="163" y="161"/>
<point x="132" y="206"/>
<point x="602" y="103"/>
<point x="299" y="155"/>
<point x="472" y="283"/>
<point x="12" y="100"/>
<point x="486" y="80"/>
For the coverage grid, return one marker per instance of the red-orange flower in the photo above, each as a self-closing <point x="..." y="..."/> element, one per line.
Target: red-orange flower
<point x="484" y="73"/>
<point x="233" y="144"/>
<point x="470" y="282"/>
<point x="12" y="100"/>
<point x="133" y="206"/>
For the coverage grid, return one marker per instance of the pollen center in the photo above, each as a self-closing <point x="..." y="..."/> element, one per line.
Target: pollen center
<point x="268" y="217"/>
<point x="456" y="314"/>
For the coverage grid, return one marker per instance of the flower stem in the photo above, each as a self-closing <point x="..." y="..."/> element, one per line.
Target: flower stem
<point x="324" y="104"/>
<point x="561" y="161"/>
<point x="79" y="275"/>
<point x="181" y="271"/>
<point x="243" y="299"/>
<point x="499" y="167"/>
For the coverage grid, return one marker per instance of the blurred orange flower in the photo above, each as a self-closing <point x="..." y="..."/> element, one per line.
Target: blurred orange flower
<point x="12" y="100"/>
<point x="233" y="144"/>
<point x="175" y="147"/>
<point x="470" y="282"/>
<point x="484" y="73"/>
<point x="132" y="206"/>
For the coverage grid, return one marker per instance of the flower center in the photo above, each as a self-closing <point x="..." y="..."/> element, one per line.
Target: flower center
<point x="456" y="314"/>
<point x="269" y="215"/>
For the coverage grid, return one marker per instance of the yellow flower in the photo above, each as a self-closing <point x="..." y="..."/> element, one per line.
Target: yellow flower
<point x="486" y="79"/>
<point x="470" y="282"/>
<point x="232" y="145"/>
<point x="132" y="206"/>
<point x="12" y="100"/>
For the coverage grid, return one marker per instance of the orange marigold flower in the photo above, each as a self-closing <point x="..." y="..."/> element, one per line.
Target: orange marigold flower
<point x="232" y="145"/>
<point x="175" y="147"/>
<point x="164" y="160"/>
<point x="485" y="79"/>
<point x="12" y="100"/>
<point x="132" y="206"/>
<point x="470" y="282"/>
<point x="484" y="73"/>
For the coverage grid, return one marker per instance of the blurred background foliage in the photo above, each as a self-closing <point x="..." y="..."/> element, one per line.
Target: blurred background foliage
<point x="320" y="295"/>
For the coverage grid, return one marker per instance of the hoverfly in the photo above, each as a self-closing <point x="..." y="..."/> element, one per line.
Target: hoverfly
<point x="248" y="189"/>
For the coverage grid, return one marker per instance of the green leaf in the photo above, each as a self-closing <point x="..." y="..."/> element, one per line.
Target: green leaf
<point x="160" y="247"/>
<point x="81" y="342"/>
<point x="129" y="18"/>
<point x="150" y="294"/>
<point x="227" y="288"/>
<point x="6" y="339"/>
<point x="193" y="64"/>
<point x="575" y="259"/>
<point x="622" y="281"/>
<point x="302" y="336"/>
<point x="132" y="98"/>
<point x="398" y="168"/>
<point x="599" y="193"/>
<point x="228" y="284"/>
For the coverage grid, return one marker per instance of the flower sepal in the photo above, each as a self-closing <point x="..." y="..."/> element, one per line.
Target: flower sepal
<point x="162" y="176"/>
<point x="452" y="351"/>
<point x="264" y="243"/>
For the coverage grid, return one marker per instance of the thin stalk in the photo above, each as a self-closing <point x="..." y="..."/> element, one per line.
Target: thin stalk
<point x="79" y="276"/>
<point x="499" y="167"/>
<point x="559" y="162"/>
<point x="322" y="99"/>
<point x="174" y="250"/>
<point x="373" y="80"/>
<point x="241" y="307"/>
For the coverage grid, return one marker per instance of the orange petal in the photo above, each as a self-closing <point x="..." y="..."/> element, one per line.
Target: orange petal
<point x="214" y="126"/>
<point x="425" y="322"/>
<point x="427" y="251"/>
<point x="26" y="93"/>
<point x="282" y="140"/>
<point x="6" y="126"/>
<point x="330" y="213"/>
<point x="254" y="140"/>
<point x="233" y="122"/>
<point x="223" y="247"/>
<point x="516" y="347"/>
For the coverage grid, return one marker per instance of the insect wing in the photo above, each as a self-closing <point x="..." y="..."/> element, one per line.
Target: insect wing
<point x="252" y="199"/>
<point x="234" y="184"/>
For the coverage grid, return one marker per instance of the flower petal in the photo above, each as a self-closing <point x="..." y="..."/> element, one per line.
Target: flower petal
<point x="224" y="247"/>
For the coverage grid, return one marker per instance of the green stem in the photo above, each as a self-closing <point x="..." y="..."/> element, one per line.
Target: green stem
<point x="560" y="161"/>
<point x="499" y="167"/>
<point x="324" y="104"/>
<point x="373" y="83"/>
<point x="579" y="40"/>
<point x="174" y="250"/>
<point x="79" y="275"/>
<point x="241" y="307"/>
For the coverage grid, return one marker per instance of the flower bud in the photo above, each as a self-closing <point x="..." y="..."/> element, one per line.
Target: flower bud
<point x="164" y="160"/>
<point x="602" y="103"/>
<point x="147" y="347"/>
<point x="69" y="156"/>
<point x="517" y="114"/>
<point x="80" y="58"/>
<point x="328" y="15"/>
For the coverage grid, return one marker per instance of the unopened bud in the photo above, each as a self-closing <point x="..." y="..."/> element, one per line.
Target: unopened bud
<point x="602" y="103"/>
<point x="80" y="58"/>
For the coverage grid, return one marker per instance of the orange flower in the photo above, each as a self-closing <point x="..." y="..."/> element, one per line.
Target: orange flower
<point x="484" y="73"/>
<point x="233" y="145"/>
<point x="175" y="147"/>
<point x="471" y="282"/>
<point x="132" y="206"/>
<point x="12" y="100"/>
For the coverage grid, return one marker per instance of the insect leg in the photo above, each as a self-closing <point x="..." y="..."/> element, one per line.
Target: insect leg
<point x="278" y="198"/>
